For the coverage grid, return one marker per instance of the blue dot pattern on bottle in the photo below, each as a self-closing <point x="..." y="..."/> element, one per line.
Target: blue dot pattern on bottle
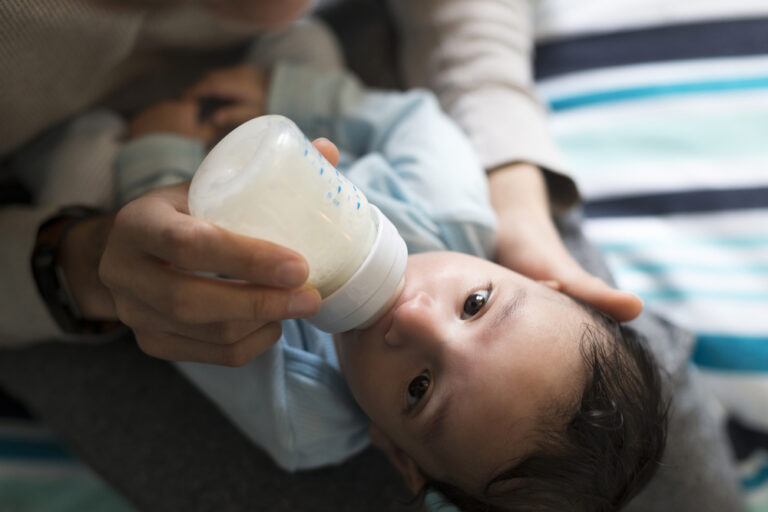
<point x="340" y="182"/>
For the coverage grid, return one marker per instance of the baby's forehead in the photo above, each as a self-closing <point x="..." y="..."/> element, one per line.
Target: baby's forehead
<point x="473" y="459"/>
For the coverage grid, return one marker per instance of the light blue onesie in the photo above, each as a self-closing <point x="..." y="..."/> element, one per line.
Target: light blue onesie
<point x="412" y="162"/>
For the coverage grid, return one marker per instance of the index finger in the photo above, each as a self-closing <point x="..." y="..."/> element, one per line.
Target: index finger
<point x="197" y="245"/>
<point x="623" y="306"/>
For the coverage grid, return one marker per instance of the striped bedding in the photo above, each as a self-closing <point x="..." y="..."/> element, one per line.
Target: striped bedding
<point x="664" y="122"/>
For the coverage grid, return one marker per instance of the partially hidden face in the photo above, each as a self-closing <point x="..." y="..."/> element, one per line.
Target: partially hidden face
<point x="456" y="375"/>
<point x="261" y="13"/>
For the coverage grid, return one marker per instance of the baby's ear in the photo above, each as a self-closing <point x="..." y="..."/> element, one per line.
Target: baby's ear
<point x="552" y="283"/>
<point x="407" y="467"/>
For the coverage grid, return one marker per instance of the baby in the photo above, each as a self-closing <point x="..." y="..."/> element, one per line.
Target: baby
<point x="499" y="392"/>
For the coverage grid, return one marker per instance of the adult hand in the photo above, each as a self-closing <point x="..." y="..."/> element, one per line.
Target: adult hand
<point x="149" y="266"/>
<point x="529" y="243"/>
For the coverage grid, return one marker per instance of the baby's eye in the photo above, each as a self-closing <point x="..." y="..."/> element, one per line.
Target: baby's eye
<point x="418" y="388"/>
<point x="475" y="303"/>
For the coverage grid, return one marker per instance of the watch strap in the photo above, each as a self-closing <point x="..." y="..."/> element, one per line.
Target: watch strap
<point x="49" y="277"/>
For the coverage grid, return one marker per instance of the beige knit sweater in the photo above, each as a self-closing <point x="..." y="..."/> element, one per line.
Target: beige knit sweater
<point x="60" y="57"/>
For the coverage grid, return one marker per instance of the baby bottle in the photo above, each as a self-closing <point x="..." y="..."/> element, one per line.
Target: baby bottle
<point x="266" y="180"/>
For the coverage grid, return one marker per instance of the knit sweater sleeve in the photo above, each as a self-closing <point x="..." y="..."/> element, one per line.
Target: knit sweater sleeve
<point x="476" y="55"/>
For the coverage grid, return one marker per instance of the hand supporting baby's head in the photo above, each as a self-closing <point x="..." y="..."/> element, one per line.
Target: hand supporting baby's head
<point x="496" y="390"/>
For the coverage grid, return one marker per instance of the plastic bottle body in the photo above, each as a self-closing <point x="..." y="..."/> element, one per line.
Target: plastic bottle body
<point x="266" y="180"/>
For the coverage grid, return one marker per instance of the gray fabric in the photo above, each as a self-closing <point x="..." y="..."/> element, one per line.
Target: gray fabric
<point x="147" y="431"/>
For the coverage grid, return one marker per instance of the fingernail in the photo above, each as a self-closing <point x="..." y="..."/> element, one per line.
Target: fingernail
<point x="291" y="273"/>
<point x="304" y="303"/>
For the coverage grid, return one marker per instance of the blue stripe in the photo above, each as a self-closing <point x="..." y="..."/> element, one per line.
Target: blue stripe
<point x="656" y="268"/>
<point x="682" y="41"/>
<point x="684" y="201"/>
<point x="758" y="479"/>
<point x="732" y="353"/>
<point x="654" y="91"/>
<point x="684" y="294"/>
<point x="38" y="450"/>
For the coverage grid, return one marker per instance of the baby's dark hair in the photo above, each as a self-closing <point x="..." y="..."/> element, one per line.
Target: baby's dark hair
<point x="607" y="451"/>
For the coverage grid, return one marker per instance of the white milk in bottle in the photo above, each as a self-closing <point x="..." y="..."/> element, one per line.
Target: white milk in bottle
<point x="266" y="180"/>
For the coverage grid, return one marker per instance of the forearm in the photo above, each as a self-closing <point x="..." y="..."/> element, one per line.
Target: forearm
<point x="518" y="187"/>
<point x="79" y="257"/>
<point x="477" y="56"/>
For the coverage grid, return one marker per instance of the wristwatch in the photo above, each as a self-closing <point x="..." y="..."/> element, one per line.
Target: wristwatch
<point x="51" y="283"/>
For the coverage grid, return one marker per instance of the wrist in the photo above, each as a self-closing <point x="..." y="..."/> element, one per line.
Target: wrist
<point x="79" y="256"/>
<point x="518" y="189"/>
<point x="65" y="267"/>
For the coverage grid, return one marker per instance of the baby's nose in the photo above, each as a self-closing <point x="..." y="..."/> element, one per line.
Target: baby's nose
<point x="414" y="321"/>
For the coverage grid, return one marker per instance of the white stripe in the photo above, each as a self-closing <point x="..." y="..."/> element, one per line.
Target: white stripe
<point x="757" y="498"/>
<point x="722" y="317"/>
<point x="662" y="73"/>
<point x="563" y="18"/>
<point x="742" y="394"/>
<point x="728" y="284"/>
<point x="684" y="232"/>
<point x="649" y="176"/>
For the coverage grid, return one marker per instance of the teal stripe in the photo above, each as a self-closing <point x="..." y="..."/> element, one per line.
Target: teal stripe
<point x="686" y="242"/>
<point x="655" y="268"/>
<point x="758" y="479"/>
<point x="683" y="294"/>
<point x="652" y="91"/>
<point x="731" y="353"/>
<point x="39" y="450"/>
<point x="757" y="506"/>
<point x="659" y="141"/>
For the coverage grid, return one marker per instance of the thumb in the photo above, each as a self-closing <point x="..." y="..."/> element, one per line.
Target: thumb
<point x="328" y="149"/>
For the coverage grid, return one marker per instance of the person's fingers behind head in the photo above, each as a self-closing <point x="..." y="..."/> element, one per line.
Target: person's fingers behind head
<point x="622" y="306"/>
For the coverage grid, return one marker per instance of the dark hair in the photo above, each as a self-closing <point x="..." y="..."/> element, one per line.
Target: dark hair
<point x="606" y="453"/>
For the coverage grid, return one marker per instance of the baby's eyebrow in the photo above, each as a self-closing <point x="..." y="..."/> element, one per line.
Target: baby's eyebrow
<point x="508" y="309"/>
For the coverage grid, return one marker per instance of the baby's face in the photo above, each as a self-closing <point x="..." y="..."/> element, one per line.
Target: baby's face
<point x="458" y="371"/>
